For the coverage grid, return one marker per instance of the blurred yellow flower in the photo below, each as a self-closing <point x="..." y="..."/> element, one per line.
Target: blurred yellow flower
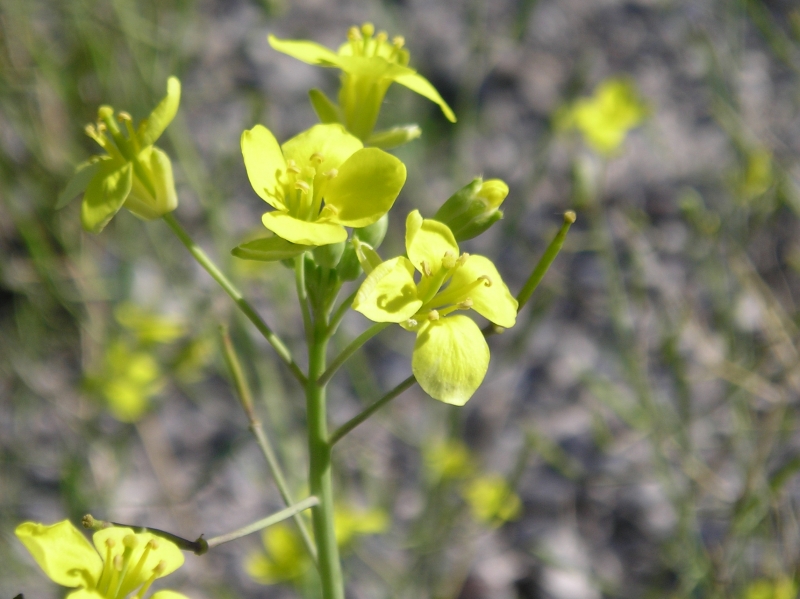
<point x="492" y="500"/>
<point x="605" y="118"/>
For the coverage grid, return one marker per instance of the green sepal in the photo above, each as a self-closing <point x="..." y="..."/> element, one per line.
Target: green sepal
<point x="329" y="255"/>
<point x="269" y="249"/>
<point x="394" y="137"/>
<point x="84" y="173"/>
<point x="105" y="194"/>
<point x="326" y="110"/>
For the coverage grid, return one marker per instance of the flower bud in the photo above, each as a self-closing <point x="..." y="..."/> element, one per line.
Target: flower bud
<point x="394" y="137"/>
<point x="473" y="208"/>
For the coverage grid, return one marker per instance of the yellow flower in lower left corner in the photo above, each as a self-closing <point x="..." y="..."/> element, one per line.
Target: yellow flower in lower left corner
<point x="121" y="564"/>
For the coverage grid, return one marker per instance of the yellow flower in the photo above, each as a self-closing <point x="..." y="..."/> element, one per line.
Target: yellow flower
<point x="121" y="564"/>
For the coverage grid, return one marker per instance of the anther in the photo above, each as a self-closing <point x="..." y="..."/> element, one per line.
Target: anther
<point x="302" y="186"/>
<point x="90" y="130"/>
<point x="425" y="268"/>
<point x="487" y="282"/>
<point x="124" y="116"/>
<point x="411" y="322"/>
<point x="153" y="544"/>
<point x="433" y="315"/>
<point x="466" y="304"/>
<point x="381" y="37"/>
<point x="317" y="158"/>
<point x="353" y="34"/>
<point x="368" y="29"/>
<point x="291" y="166"/>
<point x="449" y="260"/>
<point x="462" y="258"/>
<point x="101" y="127"/>
<point x="118" y="562"/>
<point x="398" y="41"/>
<point x="159" y="569"/>
<point x="331" y="174"/>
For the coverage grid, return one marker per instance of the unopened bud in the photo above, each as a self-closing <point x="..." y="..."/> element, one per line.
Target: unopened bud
<point x="473" y="208"/>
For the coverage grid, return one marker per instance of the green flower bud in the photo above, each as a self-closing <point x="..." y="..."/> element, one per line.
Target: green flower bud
<point x="394" y="137"/>
<point x="329" y="255"/>
<point x="473" y="208"/>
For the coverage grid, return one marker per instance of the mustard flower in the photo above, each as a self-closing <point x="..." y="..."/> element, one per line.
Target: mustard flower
<point x="450" y="355"/>
<point x="319" y="182"/>
<point x="122" y="563"/>
<point x="133" y="174"/>
<point x="369" y="66"/>
<point x="605" y="119"/>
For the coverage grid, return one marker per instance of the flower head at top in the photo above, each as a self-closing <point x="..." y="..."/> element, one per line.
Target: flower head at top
<point x="121" y="564"/>
<point x="319" y="182"/>
<point x="370" y="64"/>
<point x="605" y="119"/>
<point x="450" y="355"/>
<point x="133" y="173"/>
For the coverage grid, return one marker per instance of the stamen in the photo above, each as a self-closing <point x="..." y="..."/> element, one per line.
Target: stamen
<point x="157" y="572"/>
<point x="449" y="260"/>
<point x="302" y="186"/>
<point x="331" y="174"/>
<point x="136" y="573"/>
<point x="118" y="562"/>
<point x="101" y="126"/>
<point x="433" y="315"/>
<point x="105" y="576"/>
<point x="124" y="116"/>
<point x="426" y="268"/>
<point x="466" y="304"/>
<point x="411" y="322"/>
<point x="368" y="29"/>
<point x="381" y="37"/>
<point x="462" y="258"/>
<point x="317" y="158"/>
<point x="353" y="34"/>
<point x="398" y="41"/>
<point x="291" y="167"/>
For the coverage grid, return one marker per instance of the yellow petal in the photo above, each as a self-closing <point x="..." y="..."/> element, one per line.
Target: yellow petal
<point x="303" y="232"/>
<point x="492" y="301"/>
<point x="450" y="359"/>
<point x="265" y="165"/>
<point x="64" y="554"/>
<point x="428" y="240"/>
<point x="389" y="294"/>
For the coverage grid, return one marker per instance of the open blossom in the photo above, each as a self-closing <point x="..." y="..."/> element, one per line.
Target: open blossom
<point x="122" y="563"/>
<point x="450" y="355"/>
<point x="369" y="66"/>
<point x="319" y="182"/>
<point x="133" y="173"/>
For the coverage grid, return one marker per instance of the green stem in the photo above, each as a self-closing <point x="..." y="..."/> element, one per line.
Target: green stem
<point x="545" y="261"/>
<point x="338" y="315"/>
<point x="243" y="305"/>
<point x="359" y="418"/>
<point x="302" y="294"/>
<point x="246" y="399"/>
<point x="352" y="348"/>
<point x="319" y="476"/>
<point x="289" y="512"/>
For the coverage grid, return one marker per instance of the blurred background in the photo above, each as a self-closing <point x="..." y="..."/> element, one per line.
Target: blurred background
<point x="636" y="433"/>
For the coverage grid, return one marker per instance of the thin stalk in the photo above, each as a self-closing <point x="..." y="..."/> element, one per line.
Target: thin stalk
<point x="352" y="348"/>
<point x="337" y="317"/>
<point x="319" y="475"/>
<point x="302" y="294"/>
<point x="359" y="418"/>
<point x="196" y="251"/>
<point x="284" y="514"/>
<point x="246" y="399"/>
<point x="545" y="261"/>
